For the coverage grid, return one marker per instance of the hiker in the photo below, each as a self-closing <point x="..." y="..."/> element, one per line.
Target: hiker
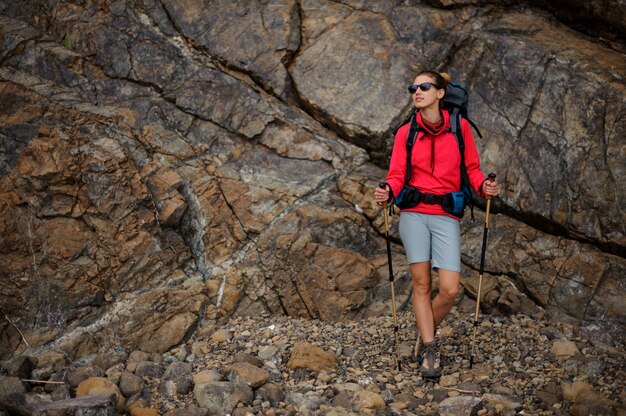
<point x="431" y="234"/>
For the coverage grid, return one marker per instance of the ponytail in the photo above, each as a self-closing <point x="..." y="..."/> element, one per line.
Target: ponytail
<point x="446" y="78"/>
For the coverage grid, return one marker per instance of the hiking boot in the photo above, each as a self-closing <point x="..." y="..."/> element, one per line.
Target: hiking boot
<point x="431" y="360"/>
<point x="416" y="354"/>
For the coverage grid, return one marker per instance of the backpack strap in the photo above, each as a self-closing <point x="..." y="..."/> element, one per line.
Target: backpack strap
<point x="474" y="126"/>
<point x="414" y="130"/>
<point x="455" y="127"/>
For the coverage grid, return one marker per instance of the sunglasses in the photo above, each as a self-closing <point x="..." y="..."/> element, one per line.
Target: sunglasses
<point x="424" y="86"/>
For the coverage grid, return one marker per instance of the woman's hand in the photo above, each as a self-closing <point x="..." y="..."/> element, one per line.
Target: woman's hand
<point x="381" y="195"/>
<point x="491" y="189"/>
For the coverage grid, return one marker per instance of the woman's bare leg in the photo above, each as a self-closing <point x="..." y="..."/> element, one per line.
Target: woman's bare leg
<point x="448" y="289"/>
<point x="422" y="307"/>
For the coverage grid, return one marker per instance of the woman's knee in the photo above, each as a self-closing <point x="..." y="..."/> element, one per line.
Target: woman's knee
<point x="449" y="292"/>
<point x="449" y="285"/>
<point x="421" y="288"/>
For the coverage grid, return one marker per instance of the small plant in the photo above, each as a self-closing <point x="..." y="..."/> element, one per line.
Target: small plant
<point x="69" y="42"/>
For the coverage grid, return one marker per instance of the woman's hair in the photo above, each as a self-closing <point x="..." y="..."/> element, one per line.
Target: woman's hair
<point x="441" y="79"/>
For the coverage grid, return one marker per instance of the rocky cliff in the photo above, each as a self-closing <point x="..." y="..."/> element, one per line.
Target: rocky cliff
<point x="162" y="163"/>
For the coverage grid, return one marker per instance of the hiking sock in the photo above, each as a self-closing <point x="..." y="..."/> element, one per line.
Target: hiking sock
<point x="416" y="355"/>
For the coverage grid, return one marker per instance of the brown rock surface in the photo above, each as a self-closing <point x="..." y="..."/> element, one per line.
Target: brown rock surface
<point x="96" y="386"/>
<point x="311" y="357"/>
<point x="163" y="163"/>
<point x="248" y="374"/>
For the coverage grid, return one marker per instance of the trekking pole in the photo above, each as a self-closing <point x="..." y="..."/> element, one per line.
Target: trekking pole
<point x="391" y="282"/>
<point x="491" y="177"/>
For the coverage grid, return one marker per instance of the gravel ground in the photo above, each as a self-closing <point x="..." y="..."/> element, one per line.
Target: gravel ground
<point x="516" y="358"/>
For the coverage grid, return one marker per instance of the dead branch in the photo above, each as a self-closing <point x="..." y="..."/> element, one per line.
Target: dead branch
<point x="18" y="330"/>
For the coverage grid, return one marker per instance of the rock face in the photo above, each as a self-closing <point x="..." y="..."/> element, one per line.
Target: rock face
<point x="162" y="163"/>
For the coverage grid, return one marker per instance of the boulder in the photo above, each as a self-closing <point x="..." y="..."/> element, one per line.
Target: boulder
<point x="221" y="397"/>
<point x="99" y="386"/>
<point x="246" y="373"/>
<point x="311" y="357"/>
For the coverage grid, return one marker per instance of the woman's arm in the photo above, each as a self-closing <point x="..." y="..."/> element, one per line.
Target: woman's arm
<point x="472" y="164"/>
<point x="472" y="160"/>
<point x="397" y="164"/>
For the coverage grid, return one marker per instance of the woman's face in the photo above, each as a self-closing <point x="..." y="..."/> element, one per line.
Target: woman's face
<point x="425" y="99"/>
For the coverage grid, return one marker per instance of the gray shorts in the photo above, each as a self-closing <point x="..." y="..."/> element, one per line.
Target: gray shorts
<point x="439" y="235"/>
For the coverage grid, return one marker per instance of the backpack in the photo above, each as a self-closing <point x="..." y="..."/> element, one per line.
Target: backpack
<point x="456" y="102"/>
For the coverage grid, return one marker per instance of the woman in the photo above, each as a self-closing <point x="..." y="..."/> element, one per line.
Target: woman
<point x="431" y="236"/>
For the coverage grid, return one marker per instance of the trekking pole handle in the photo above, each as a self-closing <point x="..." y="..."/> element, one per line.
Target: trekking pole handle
<point x="491" y="177"/>
<point x="383" y="185"/>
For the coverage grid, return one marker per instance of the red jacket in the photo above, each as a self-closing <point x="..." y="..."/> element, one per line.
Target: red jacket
<point x="445" y="176"/>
